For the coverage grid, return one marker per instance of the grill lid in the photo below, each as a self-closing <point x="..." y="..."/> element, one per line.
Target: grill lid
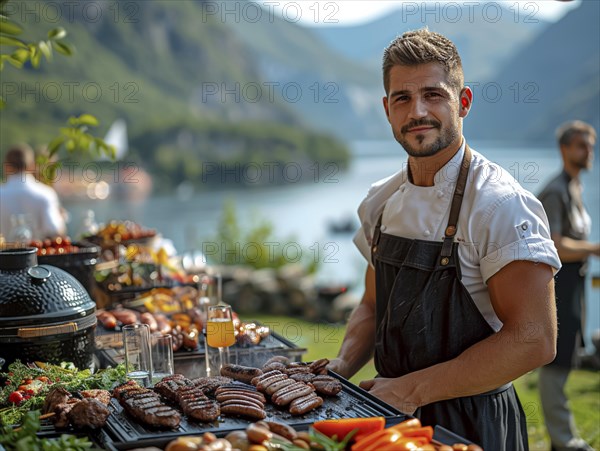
<point x="32" y="295"/>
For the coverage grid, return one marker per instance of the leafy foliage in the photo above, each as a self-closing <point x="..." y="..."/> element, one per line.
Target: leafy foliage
<point x="73" y="138"/>
<point x="25" y="438"/>
<point x="253" y="246"/>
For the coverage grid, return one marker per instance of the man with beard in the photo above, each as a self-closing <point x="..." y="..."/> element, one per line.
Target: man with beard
<point x="459" y="291"/>
<point x="570" y="227"/>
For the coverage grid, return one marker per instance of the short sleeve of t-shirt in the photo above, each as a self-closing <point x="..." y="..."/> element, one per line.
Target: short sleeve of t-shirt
<point x="515" y="228"/>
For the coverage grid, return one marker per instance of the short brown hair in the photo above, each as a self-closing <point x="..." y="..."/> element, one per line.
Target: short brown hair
<point x="421" y="47"/>
<point x="567" y="131"/>
<point x="20" y="158"/>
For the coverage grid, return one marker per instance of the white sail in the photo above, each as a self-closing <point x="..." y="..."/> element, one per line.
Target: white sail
<point x="117" y="136"/>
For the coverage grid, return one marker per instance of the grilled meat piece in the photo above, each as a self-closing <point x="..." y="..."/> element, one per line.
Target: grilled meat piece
<point x="278" y="359"/>
<point x="119" y="390"/>
<point x="263" y="384"/>
<point x="55" y="397"/>
<point x="101" y="395"/>
<point x="196" y="405"/>
<point x="319" y="366"/>
<point x="169" y="385"/>
<point x="240" y="373"/>
<point x="274" y="366"/>
<point x="253" y="413"/>
<point x="264" y="376"/>
<point x="145" y="406"/>
<point x="276" y="386"/>
<point x="61" y="417"/>
<point x="290" y="370"/>
<point x="243" y="402"/>
<point x="208" y="385"/>
<point x="326" y="385"/>
<point x="305" y="404"/>
<point x="88" y="413"/>
<point x="303" y="377"/>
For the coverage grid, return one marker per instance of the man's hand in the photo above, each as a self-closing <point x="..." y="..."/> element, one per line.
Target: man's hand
<point x="337" y="366"/>
<point x="394" y="391"/>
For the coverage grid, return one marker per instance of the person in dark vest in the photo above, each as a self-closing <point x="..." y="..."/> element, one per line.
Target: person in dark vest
<point x="570" y="226"/>
<point x="459" y="290"/>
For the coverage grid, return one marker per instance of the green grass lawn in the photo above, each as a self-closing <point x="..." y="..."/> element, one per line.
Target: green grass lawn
<point x="583" y="387"/>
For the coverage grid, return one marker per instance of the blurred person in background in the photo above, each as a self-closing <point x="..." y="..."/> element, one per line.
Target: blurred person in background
<point x="23" y="197"/>
<point x="570" y="226"/>
<point x="461" y="264"/>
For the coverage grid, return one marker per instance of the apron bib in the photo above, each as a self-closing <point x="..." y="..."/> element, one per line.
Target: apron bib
<point x="426" y="316"/>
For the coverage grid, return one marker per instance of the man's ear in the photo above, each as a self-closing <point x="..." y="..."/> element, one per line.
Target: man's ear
<point x="386" y="107"/>
<point x="466" y="101"/>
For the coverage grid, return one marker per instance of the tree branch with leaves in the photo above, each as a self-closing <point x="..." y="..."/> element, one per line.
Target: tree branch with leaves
<point x="74" y="138"/>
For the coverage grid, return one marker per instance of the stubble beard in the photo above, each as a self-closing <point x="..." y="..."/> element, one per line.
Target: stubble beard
<point x="446" y="137"/>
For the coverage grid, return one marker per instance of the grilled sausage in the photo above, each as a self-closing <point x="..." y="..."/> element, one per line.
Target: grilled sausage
<point x="305" y="404"/>
<point x="240" y="373"/>
<point x="243" y="402"/>
<point x="286" y="398"/>
<point x="253" y="413"/>
<point x="262" y="385"/>
<point x="264" y="376"/>
<point x="276" y="386"/>
<point x="148" y="318"/>
<point x="234" y="396"/>
<point x="107" y="319"/>
<point x="125" y="316"/>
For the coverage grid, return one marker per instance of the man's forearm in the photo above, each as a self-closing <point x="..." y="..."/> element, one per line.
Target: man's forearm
<point x="570" y="250"/>
<point x="487" y="365"/>
<point x="358" y="344"/>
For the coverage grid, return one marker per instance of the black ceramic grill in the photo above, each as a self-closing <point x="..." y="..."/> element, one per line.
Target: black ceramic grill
<point x="351" y="402"/>
<point x="79" y="264"/>
<point x="45" y="313"/>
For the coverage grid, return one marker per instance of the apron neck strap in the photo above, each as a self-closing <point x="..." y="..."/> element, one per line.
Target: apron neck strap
<point x="457" y="199"/>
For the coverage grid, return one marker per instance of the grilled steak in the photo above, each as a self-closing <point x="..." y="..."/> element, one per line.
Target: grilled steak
<point x="196" y="405"/>
<point x="145" y="406"/>
<point x="55" y="397"/>
<point x="61" y="417"/>
<point x="208" y="385"/>
<point x="88" y="413"/>
<point x="169" y="385"/>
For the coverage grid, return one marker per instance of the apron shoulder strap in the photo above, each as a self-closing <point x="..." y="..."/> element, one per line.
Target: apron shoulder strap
<point x="457" y="199"/>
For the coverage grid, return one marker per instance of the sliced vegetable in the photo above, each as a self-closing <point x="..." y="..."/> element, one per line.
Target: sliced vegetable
<point x="340" y="428"/>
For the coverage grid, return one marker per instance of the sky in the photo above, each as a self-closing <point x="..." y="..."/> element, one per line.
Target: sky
<point x="355" y="12"/>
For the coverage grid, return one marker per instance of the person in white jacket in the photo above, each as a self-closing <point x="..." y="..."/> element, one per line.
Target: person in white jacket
<point x="22" y="196"/>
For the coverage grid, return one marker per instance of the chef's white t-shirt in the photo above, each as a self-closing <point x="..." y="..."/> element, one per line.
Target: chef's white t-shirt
<point x="499" y="221"/>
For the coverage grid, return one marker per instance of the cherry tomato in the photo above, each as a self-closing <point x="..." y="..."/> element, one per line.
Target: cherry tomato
<point x="15" y="397"/>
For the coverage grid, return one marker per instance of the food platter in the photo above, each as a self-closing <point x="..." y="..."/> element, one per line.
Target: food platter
<point x="351" y="402"/>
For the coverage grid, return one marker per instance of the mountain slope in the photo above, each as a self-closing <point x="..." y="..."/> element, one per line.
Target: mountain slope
<point x="554" y="79"/>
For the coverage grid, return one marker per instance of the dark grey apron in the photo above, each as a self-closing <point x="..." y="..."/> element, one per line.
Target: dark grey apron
<point x="425" y="316"/>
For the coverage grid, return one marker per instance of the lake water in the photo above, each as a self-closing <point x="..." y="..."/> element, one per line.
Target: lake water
<point x="301" y="212"/>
